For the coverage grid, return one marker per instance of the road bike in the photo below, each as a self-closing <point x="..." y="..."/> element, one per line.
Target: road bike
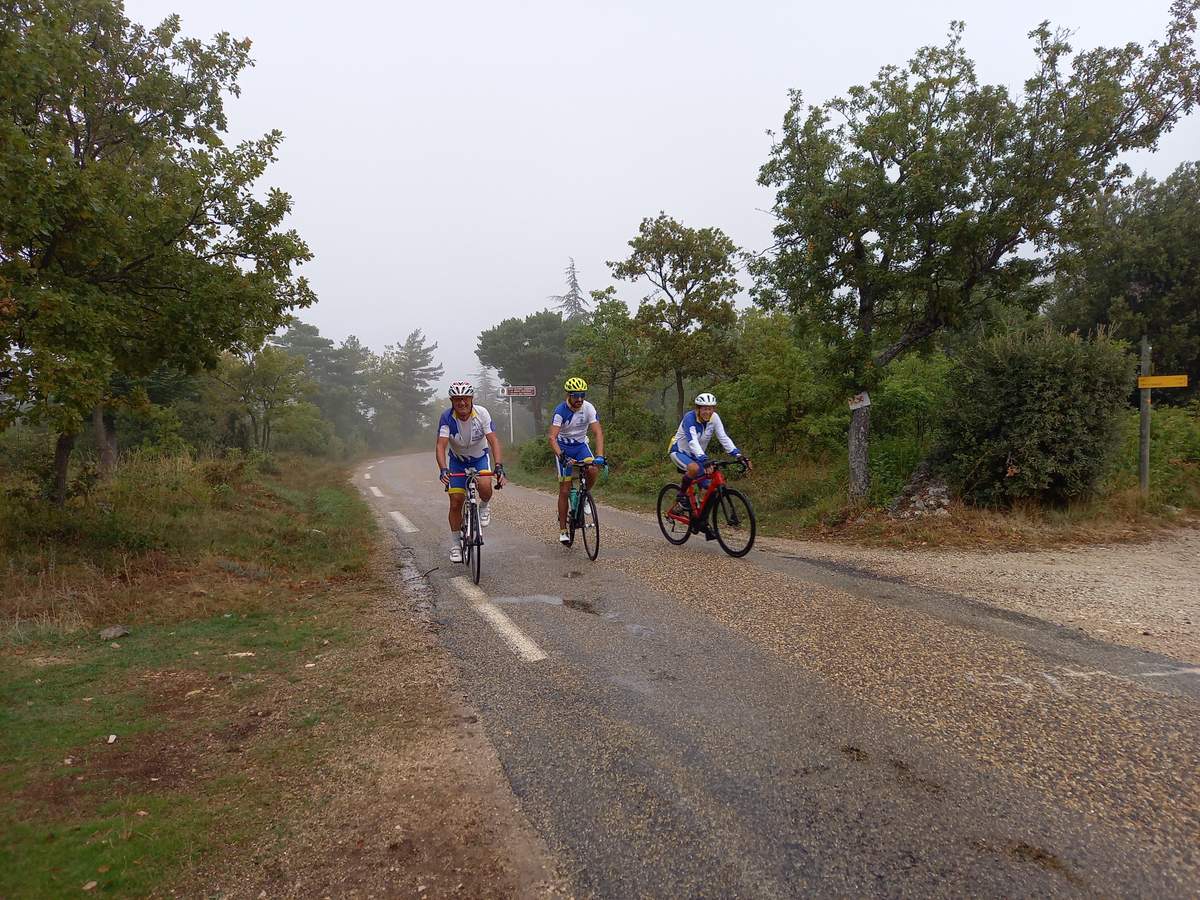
<point x="721" y="513"/>
<point x="470" y="533"/>
<point x="581" y="513"/>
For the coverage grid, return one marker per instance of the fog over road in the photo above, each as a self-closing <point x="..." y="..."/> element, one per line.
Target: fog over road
<point x="679" y="723"/>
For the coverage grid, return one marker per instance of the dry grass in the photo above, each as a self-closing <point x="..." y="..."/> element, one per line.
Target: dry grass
<point x="175" y="538"/>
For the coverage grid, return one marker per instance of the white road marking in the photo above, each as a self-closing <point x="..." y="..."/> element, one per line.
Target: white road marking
<point x="376" y="491"/>
<point x="404" y="523"/>
<point x="512" y="635"/>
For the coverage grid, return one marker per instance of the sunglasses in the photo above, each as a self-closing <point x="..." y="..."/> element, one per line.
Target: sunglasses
<point x="577" y="395"/>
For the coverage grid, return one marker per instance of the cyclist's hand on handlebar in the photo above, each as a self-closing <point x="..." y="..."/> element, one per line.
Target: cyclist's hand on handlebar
<point x="599" y="461"/>
<point x="501" y="478"/>
<point x="746" y="464"/>
<point x="445" y="477"/>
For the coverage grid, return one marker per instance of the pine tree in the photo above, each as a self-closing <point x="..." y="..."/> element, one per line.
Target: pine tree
<point x="573" y="303"/>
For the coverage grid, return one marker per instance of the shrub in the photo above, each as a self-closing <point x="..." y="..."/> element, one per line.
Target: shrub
<point x="1035" y="415"/>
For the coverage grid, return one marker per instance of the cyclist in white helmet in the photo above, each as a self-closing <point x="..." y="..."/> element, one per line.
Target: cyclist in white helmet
<point x="689" y="447"/>
<point x="467" y="440"/>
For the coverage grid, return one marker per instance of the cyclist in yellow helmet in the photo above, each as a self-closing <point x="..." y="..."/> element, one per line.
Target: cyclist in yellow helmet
<point x="569" y="442"/>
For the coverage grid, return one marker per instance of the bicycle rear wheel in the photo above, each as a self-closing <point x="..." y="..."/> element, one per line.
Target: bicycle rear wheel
<point x="476" y="559"/>
<point x="733" y="521"/>
<point x="589" y="523"/>
<point x="673" y="530"/>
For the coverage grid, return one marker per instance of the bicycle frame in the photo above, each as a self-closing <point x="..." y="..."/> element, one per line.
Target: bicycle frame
<point x="700" y="504"/>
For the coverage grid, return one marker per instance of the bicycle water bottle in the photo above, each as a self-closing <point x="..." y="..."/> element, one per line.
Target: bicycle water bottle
<point x="574" y="501"/>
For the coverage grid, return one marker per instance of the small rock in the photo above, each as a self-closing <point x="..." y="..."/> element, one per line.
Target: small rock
<point x="115" y="645"/>
<point x="114" y="632"/>
<point x="310" y="665"/>
<point x="198" y="592"/>
<point x="142" y="812"/>
<point x="69" y="761"/>
<point x="942" y="513"/>
<point x="90" y="886"/>
<point x="112" y="739"/>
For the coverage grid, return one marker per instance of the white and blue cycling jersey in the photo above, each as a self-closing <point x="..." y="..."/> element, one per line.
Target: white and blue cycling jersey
<point x="690" y="443"/>
<point x="573" y="424"/>
<point x="468" y="440"/>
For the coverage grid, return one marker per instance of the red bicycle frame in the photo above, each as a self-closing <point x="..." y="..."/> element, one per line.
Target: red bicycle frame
<point x="700" y="504"/>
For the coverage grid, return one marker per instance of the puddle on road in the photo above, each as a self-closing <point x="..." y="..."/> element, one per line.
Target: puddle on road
<point x="579" y="605"/>
<point x="583" y="606"/>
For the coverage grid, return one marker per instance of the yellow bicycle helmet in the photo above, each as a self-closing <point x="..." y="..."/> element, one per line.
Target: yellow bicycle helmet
<point x="575" y="384"/>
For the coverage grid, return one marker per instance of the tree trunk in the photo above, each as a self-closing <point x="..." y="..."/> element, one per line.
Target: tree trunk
<point x="860" y="472"/>
<point x="106" y="441"/>
<point x="62" y="457"/>
<point x="537" y="414"/>
<point x="611" y="411"/>
<point x="678" y="394"/>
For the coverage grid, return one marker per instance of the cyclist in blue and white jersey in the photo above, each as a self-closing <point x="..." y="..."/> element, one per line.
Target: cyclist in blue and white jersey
<point x="467" y="440"/>
<point x="569" y="441"/>
<point x="690" y="445"/>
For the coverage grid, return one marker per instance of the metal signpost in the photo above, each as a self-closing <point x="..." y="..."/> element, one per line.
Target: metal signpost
<point x="1146" y="381"/>
<point x="515" y="390"/>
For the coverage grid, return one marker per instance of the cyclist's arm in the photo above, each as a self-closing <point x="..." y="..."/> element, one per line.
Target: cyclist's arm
<point x="725" y="439"/>
<point x="440" y="452"/>
<point x="494" y="447"/>
<point x="555" y="449"/>
<point x="598" y="430"/>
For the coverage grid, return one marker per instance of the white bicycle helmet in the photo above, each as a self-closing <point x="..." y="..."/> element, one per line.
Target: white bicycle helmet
<point x="462" y="389"/>
<point x="706" y="399"/>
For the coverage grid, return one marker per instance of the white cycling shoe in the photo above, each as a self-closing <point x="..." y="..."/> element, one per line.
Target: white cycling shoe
<point x="564" y="537"/>
<point x="456" y="553"/>
<point x="485" y="515"/>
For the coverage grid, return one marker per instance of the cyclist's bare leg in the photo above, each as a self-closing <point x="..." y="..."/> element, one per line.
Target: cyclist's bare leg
<point x="456" y="506"/>
<point x="591" y="473"/>
<point x="564" y="490"/>
<point x="485" y="489"/>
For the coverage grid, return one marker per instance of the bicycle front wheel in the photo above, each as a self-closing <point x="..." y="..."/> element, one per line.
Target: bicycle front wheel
<point x="476" y="544"/>
<point x="673" y="530"/>
<point x="733" y="521"/>
<point x="589" y="522"/>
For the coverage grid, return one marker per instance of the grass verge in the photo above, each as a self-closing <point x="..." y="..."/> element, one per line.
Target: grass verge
<point x="128" y="762"/>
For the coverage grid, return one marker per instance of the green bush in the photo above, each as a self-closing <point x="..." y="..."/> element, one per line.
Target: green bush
<point x="1035" y="415"/>
<point x="1174" y="455"/>
<point x="536" y="454"/>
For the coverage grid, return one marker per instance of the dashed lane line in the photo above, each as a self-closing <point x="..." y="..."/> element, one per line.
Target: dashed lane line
<point x="376" y="491"/>
<point x="404" y="522"/>
<point x="512" y="635"/>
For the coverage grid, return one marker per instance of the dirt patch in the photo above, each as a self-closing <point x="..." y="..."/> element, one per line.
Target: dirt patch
<point x="413" y="802"/>
<point x="98" y="774"/>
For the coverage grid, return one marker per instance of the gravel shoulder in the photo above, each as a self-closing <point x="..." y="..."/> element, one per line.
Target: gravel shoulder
<point x="1138" y="595"/>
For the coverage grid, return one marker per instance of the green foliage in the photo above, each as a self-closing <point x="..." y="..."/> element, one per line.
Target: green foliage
<point x="532" y="350"/>
<point x="608" y="349"/>
<point x="399" y="390"/>
<point x="781" y="396"/>
<point x="688" y="318"/>
<point x="131" y="236"/>
<point x="1036" y="415"/>
<point x="1174" y="456"/>
<point x="903" y="205"/>
<point x="1134" y="268"/>
<point x="299" y="428"/>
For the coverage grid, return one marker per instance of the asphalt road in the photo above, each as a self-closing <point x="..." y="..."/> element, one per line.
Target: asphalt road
<point x="678" y="723"/>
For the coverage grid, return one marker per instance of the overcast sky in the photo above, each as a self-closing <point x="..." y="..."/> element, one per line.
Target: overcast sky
<point x="447" y="159"/>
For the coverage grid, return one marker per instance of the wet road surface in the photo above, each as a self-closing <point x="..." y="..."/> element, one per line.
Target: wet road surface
<point x="679" y="723"/>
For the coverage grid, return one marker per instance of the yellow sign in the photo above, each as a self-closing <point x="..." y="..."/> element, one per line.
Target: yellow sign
<point x="1161" y="381"/>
